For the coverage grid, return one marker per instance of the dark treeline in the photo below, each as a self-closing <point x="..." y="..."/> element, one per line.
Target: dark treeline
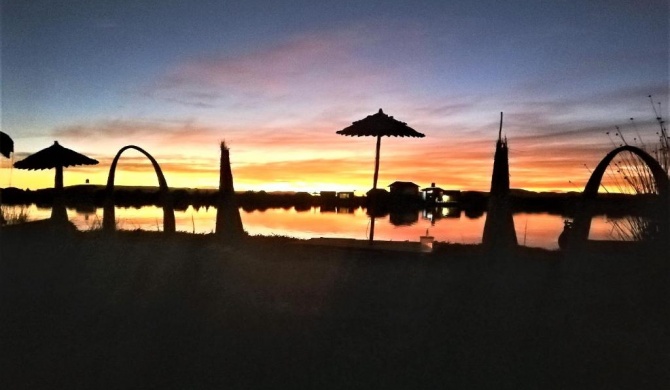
<point x="473" y="203"/>
<point x="94" y="196"/>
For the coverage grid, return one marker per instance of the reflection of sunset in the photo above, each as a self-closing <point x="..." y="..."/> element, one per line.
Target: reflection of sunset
<point x="541" y="230"/>
<point x="534" y="230"/>
<point x="308" y="224"/>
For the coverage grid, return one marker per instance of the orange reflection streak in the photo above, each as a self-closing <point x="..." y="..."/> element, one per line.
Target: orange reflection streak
<point x="308" y="224"/>
<point x="539" y="230"/>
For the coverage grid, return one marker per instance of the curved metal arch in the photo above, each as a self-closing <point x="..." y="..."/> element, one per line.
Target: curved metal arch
<point x="108" y="216"/>
<point x="582" y="223"/>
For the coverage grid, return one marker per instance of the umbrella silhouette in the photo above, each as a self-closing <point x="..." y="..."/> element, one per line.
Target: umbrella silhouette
<point x="6" y="144"/>
<point x="379" y="125"/>
<point x="55" y="157"/>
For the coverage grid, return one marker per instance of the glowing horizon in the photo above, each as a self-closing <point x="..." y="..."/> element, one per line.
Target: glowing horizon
<point x="177" y="79"/>
<point x="565" y="171"/>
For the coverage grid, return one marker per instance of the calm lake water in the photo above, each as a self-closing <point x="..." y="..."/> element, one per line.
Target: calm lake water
<point x="447" y="225"/>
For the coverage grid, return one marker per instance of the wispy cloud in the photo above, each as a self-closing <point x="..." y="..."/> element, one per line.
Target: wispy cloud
<point x="317" y="69"/>
<point x="168" y="132"/>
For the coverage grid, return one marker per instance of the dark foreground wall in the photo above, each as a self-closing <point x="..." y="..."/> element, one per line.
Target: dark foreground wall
<point x="138" y="311"/>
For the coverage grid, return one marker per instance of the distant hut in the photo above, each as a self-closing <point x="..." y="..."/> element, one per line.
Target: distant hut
<point x="328" y="195"/>
<point x="499" y="230"/>
<point x="345" y="195"/>
<point x="436" y="195"/>
<point x="405" y="188"/>
<point x="228" y="221"/>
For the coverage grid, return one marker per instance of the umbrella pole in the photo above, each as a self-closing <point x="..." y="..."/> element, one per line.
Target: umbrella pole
<point x="374" y="183"/>
<point x="374" y="187"/>
<point x="372" y="229"/>
<point x="59" y="179"/>
<point x="58" y="212"/>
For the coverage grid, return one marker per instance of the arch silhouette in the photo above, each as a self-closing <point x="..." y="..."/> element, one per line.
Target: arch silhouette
<point x="582" y="223"/>
<point x="108" y="216"/>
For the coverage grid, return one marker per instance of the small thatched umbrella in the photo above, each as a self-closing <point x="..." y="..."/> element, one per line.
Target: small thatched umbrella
<point x="379" y="125"/>
<point x="6" y="144"/>
<point x="58" y="157"/>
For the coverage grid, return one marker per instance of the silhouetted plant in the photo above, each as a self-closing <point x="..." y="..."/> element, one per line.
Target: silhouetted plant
<point x="14" y="215"/>
<point x="628" y="174"/>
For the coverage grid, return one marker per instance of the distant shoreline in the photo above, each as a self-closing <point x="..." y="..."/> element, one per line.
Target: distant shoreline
<point x="473" y="203"/>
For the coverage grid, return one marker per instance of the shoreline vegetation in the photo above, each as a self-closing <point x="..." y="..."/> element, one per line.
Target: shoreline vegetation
<point x="135" y="309"/>
<point x="473" y="203"/>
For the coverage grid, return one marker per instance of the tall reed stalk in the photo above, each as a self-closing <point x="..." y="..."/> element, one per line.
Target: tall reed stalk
<point x="629" y="175"/>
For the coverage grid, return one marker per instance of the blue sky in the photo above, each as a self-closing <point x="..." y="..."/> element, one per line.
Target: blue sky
<point x="277" y="79"/>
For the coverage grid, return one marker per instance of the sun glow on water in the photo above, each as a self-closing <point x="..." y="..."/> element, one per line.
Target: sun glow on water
<point x="532" y="229"/>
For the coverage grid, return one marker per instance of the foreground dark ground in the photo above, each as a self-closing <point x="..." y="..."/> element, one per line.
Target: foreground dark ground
<point x="141" y="310"/>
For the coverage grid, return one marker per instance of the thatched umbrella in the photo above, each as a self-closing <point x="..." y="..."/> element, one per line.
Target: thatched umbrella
<point x="379" y="125"/>
<point x="6" y="144"/>
<point x="58" y="157"/>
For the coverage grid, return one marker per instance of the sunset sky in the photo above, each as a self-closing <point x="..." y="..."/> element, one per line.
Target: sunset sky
<point x="276" y="80"/>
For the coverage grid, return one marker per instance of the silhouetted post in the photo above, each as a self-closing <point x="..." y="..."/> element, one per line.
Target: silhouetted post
<point x="374" y="187"/>
<point x="374" y="180"/>
<point x="372" y="228"/>
<point x="228" y="220"/>
<point x="499" y="230"/>
<point x="58" y="212"/>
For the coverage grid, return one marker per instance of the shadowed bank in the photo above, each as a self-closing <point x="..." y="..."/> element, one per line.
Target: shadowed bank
<point x="133" y="310"/>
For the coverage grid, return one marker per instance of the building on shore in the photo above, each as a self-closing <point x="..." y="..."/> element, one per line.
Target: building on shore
<point x="345" y="195"/>
<point x="434" y="195"/>
<point x="406" y="188"/>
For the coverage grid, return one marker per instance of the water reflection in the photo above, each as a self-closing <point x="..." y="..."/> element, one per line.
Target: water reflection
<point x="445" y="224"/>
<point x="405" y="218"/>
<point x="342" y="210"/>
<point x="436" y="213"/>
